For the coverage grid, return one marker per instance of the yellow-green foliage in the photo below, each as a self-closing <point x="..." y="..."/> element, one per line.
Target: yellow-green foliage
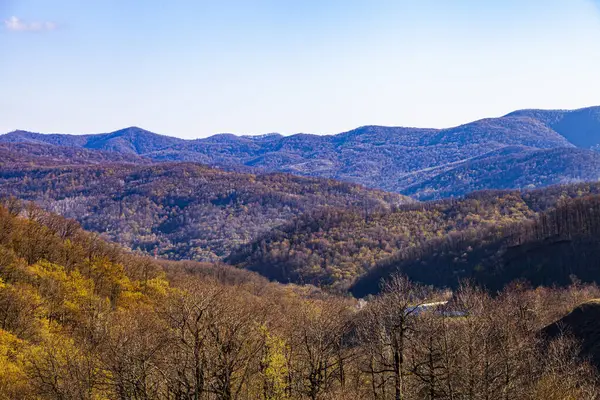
<point x="57" y="295"/>
<point x="274" y="366"/>
<point x="13" y="380"/>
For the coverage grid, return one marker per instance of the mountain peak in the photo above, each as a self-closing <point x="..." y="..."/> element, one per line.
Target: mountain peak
<point x="132" y="140"/>
<point x="133" y="129"/>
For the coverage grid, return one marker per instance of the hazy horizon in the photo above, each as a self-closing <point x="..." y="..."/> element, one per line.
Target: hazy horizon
<point x="194" y="69"/>
<point x="149" y="129"/>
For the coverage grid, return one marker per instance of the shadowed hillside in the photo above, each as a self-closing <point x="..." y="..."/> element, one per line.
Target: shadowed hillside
<point x="338" y="246"/>
<point x="583" y="324"/>
<point x="553" y="248"/>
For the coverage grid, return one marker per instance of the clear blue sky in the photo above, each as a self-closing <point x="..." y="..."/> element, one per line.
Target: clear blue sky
<point x="195" y="68"/>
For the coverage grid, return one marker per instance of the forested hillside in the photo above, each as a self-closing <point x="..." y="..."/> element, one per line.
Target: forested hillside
<point x="511" y="169"/>
<point x="24" y="155"/>
<point x="334" y="247"/>
<point x="82" y="319"/>
<point x="182" y="211"/>
<point x="527" y="148"/>
<point x="554" y="248"/>
<point x="132" y="140"/>
<point x="287" y="228"/>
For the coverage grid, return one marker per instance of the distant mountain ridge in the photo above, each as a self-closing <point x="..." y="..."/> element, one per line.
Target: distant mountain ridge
<point x="132" y="140"/>
<point x="509" y="168"/>
<point x="425" y="163"/>
<point x="30" y="153"/>
<point x="580" y="127"/>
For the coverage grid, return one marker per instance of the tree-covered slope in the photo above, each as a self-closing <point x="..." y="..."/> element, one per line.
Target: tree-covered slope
<point x="182" y="210"/>
<point x="553" y="248"/>
<point x="334" y="247"/>
<point x="132" y="140"/>
<point x="525" y="168"/>
<point x="288" y="228"/>
<point x="24" y="154"/>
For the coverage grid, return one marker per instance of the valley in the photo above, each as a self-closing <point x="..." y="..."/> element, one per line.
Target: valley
<point x="300" y="200"/>
<point x="129" y="269"/>
<point x="309" y="229"/>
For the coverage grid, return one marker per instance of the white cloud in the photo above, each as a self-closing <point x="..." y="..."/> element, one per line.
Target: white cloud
<point x="17" y="25"/>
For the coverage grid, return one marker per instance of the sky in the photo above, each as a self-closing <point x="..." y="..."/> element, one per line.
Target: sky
<point x="195" y="68"/>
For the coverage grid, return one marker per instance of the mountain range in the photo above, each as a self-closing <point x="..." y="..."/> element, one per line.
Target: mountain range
<point x="238" y="199"/>
<point x="523" y="149"/>
<point x="480" y="286"/>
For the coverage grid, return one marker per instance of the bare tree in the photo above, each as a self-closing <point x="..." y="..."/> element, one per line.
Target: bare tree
<point x="389" y="324"/>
